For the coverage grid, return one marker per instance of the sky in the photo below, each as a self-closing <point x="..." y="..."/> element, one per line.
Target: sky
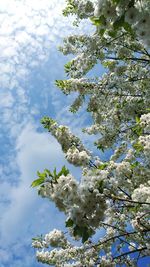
<point x="30" y="62"/>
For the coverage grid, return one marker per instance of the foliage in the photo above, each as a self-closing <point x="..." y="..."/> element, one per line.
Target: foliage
<point x="112" y="195"/>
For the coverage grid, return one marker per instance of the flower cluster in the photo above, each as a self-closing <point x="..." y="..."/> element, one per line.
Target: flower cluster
<point x="71" y="145"/>
<point x="56" y="238"/>
<point x="82" y="202"/>
<point x="113" y="195"/>
<point x="142" y="193"/>
<point x="69" y="257"/>
<point x="145" y="122"/>
<point x="76" y="157"/>
<point x="145" y="142"/>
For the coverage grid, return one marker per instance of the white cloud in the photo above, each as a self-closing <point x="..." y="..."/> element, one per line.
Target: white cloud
<point x="36" y="151"/>
<point x="29" y="32"/>
<point x="6" y="99"/>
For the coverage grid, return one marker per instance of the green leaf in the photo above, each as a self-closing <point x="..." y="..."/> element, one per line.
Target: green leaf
<point x="137" y="119"/>
<point x="101" y="32"/>
<point x="54" y="172"/>
<point x="112" y="34"/>
<point x="69" y="223"/>
<point x="116" y="1"/>
<point x="138" y="147"/>
<point x="131" y="3"/>
<point x="97" y="21"/>
<point x="135" y="164"/>
<point x="100" y="147"/>
<point x="36" y="239"/>
<point x="137" y="130"/>
<point x="127" y="27"/>
<point x="38" y="182"/>
<point x="64" y="171"/>
<point x="68" y="66"/>
<point x="103" y="166"/>
<point x="83" y="231"/>
<point x="85" y="234"/>
<point x="119" y="22"/>
<point x="48" y="172"/>
<point x="77" y="231"/>
<point x="100" y="186"/>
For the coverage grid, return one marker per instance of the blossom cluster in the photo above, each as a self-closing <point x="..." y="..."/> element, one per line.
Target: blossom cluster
<point x="145" y="142"/>
<point x="69" y="257"/>
<point x="136" y="14"/>
<point x="55" y="238"/>
<point x="83" y="202"/>
<point x="113" y="195"/>
<point x="111" y="15"/>
<point x="71" y="145"/>
<point x="142" y="193"/>
<point x="145" y="122"/>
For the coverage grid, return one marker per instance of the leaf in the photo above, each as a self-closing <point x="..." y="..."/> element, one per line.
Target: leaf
<point x="101" y="32"/>
<point x="48" y="172"/>
<point x="77" y="231"/>
<point x="137" y="130"/>
<point x="97" y="21"/>
<point x="131" y="3"/>
<point x="116" y="1"/>
<point x="69" y="223"/>
<point x="85" y="235"/>
<point x="134" y="165"/>
<point x="36" y="239"/>
<point x="119" y="22"/>
<point x="68" y="66"/>
<point x="83" y="232"/>
<point x="38" y="182"/>
<point x="112" y="34"/>
<point x="137" y="119"/>
<point x="103" y="166"/>
<point x="138" y="147"/>
<point x="127" y="27"/>
<point x="101" y="147"/>
<point x="100" y="186"/>
<point x="54" y="172"/>
<point x="64" y="171"/>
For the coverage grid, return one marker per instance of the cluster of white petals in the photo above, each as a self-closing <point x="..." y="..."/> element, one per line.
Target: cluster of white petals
<point x="76" y="157"/>
<point x="145" y="122"/>
<point x="82" y="202"/>
<point x="71" y="145"/>
<point x="136" y="14"/>
<point x="112" y="194"/>
<point x="142" y="193"/>
<point x="145" y="142"/>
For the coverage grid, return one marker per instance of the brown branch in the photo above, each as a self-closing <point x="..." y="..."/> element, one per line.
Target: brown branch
<point x="118" y="236"/>
<point x="126" y="200"/>
<point x="130" y="252"/>
<point x="124" y="192"/>
<point x="113" y="226"/>
<point x="129" y="58"/>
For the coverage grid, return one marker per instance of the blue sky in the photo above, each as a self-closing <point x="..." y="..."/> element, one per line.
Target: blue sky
<point x="30" y="62"/>
<point x="30" y="33"/>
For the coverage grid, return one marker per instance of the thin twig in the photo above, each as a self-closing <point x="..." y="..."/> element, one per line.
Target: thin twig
<point x="130" y="252"/>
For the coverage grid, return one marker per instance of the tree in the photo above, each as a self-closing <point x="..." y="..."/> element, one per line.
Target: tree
<point x="114" y="194"/>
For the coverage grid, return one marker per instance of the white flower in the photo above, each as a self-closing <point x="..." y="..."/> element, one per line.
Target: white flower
<point x="132" y="15"/>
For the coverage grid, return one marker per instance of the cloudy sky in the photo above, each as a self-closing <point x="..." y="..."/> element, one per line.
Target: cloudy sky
<point x="29" y="64"/>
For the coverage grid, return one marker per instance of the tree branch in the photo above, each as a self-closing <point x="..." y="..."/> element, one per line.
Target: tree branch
<point x="130" y="252"/>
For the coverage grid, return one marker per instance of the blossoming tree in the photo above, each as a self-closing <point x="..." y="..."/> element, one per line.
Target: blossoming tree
<point x="113" y="195"/>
